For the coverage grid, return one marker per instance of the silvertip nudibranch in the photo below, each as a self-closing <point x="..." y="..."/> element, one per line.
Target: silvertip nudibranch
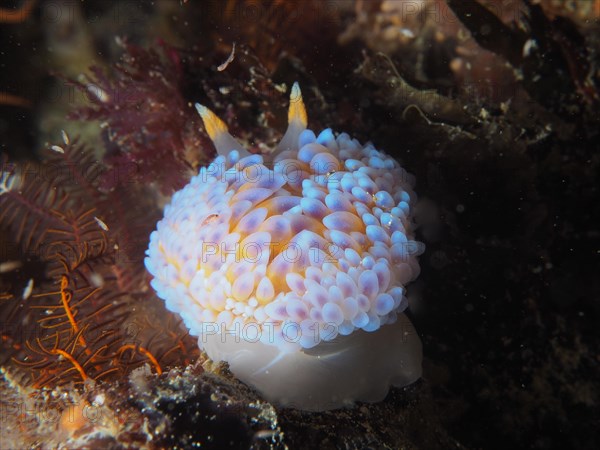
<point x="292" y="266"/>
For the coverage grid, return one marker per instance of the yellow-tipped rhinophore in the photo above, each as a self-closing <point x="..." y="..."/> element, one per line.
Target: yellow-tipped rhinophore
<point x="297" y="109"/>
<point x="218" y="133"/>
<point x="297" y="121"/>
<point x="213" y="125"/>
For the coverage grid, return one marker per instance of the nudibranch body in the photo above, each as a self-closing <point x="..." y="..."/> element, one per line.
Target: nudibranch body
<point x="292" y="266"/>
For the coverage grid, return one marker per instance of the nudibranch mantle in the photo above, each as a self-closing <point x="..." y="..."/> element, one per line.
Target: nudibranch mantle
<point x="292" y="266"/>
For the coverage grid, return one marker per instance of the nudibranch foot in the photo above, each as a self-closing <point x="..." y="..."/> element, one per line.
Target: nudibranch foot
<point x="359" y="367"/>
<point x="297" y="121"/>
<point x="292" y="266"/>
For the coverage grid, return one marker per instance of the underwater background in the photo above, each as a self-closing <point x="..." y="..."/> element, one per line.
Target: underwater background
<point x="492" y="105"/>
